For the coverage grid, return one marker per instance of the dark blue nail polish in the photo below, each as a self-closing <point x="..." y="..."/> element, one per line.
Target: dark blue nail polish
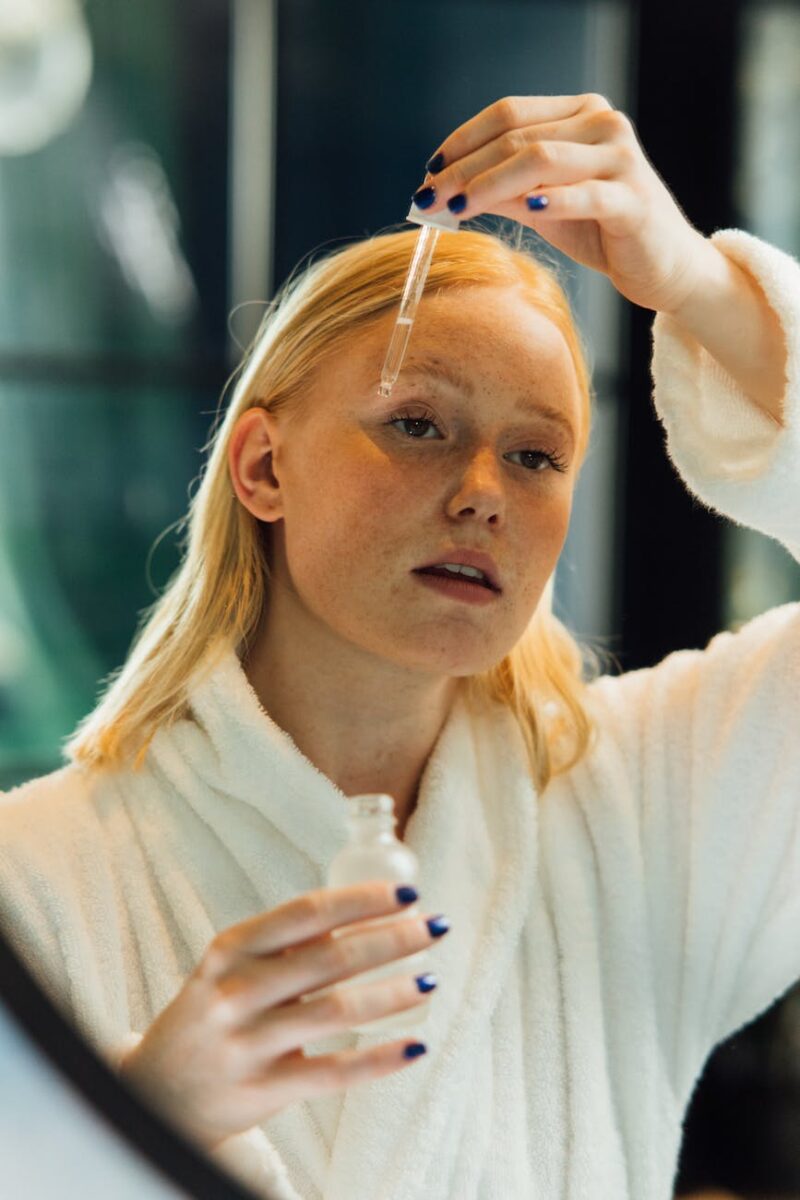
<point x="438" y="926"/>
<point x="425" y="197"/>
<point x="406" y="895"/>
<point x="435" y="164"/>
<point x="537" y="201"/>
<point x="457" y="203"/>
<point x="426" y="983"/>
<point x="414" y="1049"/>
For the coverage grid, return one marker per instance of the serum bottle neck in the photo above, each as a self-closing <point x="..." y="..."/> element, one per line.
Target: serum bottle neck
<point x="367" y="830"/>
<point x="371" y="818"/>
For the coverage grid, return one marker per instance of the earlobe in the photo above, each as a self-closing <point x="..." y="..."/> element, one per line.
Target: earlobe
<point x="251" y="468"/>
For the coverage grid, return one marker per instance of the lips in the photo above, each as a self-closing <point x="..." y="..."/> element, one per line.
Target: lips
<point x="443" y="573"/>
<point x="466" y="558"/>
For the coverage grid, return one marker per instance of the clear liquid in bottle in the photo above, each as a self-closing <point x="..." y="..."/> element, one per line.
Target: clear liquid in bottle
<point x="374" y="852"/>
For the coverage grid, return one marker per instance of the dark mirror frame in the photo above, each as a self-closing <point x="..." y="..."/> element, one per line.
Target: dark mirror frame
<point x="147" y="1134"/>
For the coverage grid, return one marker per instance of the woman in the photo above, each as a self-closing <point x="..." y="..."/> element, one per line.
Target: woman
<point x="619" y="858"/>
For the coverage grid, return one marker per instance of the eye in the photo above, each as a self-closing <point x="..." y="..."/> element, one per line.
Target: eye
<point x="406" y="419"/>
<point x="557" y="463"/>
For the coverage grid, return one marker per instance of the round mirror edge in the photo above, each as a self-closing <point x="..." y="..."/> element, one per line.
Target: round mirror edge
<point x="85" y="1071"/>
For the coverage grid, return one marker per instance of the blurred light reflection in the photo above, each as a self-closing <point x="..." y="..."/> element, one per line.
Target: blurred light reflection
<point x="45" y="71"/>
<point x="138" y="222"/>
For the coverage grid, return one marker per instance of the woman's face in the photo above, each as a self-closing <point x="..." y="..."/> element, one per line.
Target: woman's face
<point x="360" y="497"/>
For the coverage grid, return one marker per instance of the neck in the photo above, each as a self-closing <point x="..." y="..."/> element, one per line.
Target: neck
<point x="369" y="727"/>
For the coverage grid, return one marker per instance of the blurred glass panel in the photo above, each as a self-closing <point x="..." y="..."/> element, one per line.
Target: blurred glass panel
<point x="113" y="234"/>
<point x="92" y="220"/>
<point x="584" y="592"/>
<point x="90" y="475"/>
<point x="760" y="573"/>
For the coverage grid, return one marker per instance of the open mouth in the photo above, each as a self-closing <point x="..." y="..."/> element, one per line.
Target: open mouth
<point x="458" y="587"/>
<point x="444" y="573"/>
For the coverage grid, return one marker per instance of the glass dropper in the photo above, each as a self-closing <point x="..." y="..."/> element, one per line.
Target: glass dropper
<point x="430" y="227"/>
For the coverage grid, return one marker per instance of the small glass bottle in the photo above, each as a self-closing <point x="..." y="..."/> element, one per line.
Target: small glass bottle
<point x="374" y="852"/>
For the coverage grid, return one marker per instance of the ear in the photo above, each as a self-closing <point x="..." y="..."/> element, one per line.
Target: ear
<point x="251" y="453"/>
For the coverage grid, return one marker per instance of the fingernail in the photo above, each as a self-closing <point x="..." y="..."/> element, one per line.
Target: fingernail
<point x="438" y="926"/>
<point x="406" y="895"/>
<point x="425" y="197"/>
<point x="537" y="201"/>
<point x="435" y="164"/>
<point x="426" y="983"/>
<point x="414" y="1049"/>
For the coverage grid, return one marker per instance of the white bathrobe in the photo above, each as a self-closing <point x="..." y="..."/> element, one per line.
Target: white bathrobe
<point x="604" y="939"/>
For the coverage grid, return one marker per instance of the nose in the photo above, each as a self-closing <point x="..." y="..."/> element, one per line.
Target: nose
<point x="481" y="486"/>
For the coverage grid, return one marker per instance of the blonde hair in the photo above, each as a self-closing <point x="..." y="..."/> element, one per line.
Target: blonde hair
<point x="215" y="597"/>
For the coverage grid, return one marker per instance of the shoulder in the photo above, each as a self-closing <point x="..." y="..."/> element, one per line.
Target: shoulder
<point x="740" y="690"/>
<point x="771" y="637"/>
<point x="68" y="788"/>
<point x="47" y="816"/>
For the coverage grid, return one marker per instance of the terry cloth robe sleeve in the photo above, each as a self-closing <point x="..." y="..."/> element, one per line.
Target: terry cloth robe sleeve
<point x="713" y="734"/>
<point x="56" y="879"/>
<point x="53" y="878"/>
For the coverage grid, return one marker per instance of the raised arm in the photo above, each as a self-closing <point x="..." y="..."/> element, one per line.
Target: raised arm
<point x="728" y="313"/>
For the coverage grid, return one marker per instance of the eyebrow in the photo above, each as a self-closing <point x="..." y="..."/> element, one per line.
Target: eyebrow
<point x="451" y="374"/>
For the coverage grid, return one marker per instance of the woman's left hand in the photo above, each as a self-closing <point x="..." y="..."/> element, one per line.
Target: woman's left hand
<point x="607" y="207"/>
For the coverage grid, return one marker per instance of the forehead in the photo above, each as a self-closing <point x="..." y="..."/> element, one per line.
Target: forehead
<point x="474" y="330"/>
<point x="499" y="313"/>
<point x="485" y="339"/>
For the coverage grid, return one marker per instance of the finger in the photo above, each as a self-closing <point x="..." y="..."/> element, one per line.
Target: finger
<point x="590" y="128"/>
<point x="299" y="1077"/>
<point x="613" y="204"/>
<point x="539" y="164"/>
<point x="513" y="112"/>
<point x="258" y="983"/>
<point x="305" y="917"/>
<point x="276" y="1032"/>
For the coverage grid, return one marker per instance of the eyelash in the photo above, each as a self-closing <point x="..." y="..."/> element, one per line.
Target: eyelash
<point x="556" y="461"/>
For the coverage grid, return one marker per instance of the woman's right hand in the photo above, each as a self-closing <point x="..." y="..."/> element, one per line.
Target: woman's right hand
<point x="227" y="1052"/>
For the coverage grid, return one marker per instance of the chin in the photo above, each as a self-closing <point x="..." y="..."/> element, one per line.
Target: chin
<point x="457" y="665"/>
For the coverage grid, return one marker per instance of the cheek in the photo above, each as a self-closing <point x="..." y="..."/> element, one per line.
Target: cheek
<point x="351" y="519"/>
<point x="367" y="492"/>
<point x="383" y="526"/>
<point x="543" y="533"/>
<point x="559" y="522"/>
